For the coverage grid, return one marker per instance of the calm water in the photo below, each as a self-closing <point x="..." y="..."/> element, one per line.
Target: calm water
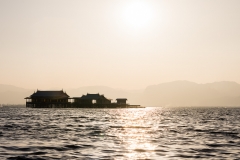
<point x="148" y="133"/>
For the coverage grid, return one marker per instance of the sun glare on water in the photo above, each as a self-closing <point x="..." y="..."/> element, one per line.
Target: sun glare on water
<point x="138" y="14"/>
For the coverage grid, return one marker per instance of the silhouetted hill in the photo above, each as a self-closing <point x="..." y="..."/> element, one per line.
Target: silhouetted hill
<point x="225" y="87"/>
<point x="13" y="95"/>
<point x="184" y="93"/>
<point x="177" y="93"/>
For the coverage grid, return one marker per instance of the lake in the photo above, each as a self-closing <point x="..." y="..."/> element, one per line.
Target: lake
<point x="136" y="133"/>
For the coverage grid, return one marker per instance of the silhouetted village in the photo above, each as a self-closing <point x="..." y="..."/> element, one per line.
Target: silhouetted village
<point x="60" y="99"/>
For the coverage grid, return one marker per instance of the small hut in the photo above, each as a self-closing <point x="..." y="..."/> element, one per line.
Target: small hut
<point x="121" y="100"/>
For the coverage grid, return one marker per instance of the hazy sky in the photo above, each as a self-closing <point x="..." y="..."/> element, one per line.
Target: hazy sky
<point x="118" y="43"/>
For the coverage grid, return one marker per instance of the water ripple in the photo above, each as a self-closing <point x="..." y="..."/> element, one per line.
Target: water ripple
<point x="146" y="133"/>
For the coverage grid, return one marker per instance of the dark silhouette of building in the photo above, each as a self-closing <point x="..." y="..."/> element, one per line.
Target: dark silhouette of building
<point x="121" y="100"/>
<point x="60" y="99"/>
<point x="48" y="99"/>
<point x="91" y="100"/>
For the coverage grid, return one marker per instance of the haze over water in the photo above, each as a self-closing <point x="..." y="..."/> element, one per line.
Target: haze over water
<point x="148" y="133"/>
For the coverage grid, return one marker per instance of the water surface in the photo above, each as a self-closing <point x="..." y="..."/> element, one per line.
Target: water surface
<point x="144" y="133"/>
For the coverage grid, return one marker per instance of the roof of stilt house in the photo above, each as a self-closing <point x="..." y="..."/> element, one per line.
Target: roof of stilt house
<point x="92" y="96"/>
<point x="49" y="94"/>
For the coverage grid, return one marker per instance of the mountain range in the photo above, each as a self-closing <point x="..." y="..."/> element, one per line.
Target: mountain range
<point x="184" y="93"/>
<point x="177" y="93"/>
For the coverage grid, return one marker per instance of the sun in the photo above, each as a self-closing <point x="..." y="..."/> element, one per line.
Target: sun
<point x="138" y="14"/>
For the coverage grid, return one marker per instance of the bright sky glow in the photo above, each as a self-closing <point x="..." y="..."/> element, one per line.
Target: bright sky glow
<point x="128" y="44"/>
<point x="138" y="14"/>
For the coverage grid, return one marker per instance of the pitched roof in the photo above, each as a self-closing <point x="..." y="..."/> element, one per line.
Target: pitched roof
<point x="91" y="96"/>
<point x="49" y="94"/>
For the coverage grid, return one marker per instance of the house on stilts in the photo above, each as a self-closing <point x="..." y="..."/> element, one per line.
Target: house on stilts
<point x="48" y="99"/>
<point x="60" y="99"/>
<point x="91" y="101"/>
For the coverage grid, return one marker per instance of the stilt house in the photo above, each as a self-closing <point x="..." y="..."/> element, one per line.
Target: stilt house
<point x="48" y="99"/>
<point x="91" y="100"/>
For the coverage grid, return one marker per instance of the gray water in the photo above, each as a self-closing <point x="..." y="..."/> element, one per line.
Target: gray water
<point x="146" y="133"/>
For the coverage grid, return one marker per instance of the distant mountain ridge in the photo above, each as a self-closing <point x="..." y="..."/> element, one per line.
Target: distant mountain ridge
<point x="176" y="93"/>
<point x="10" y="94"/>
<point x="185" y="93"/>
